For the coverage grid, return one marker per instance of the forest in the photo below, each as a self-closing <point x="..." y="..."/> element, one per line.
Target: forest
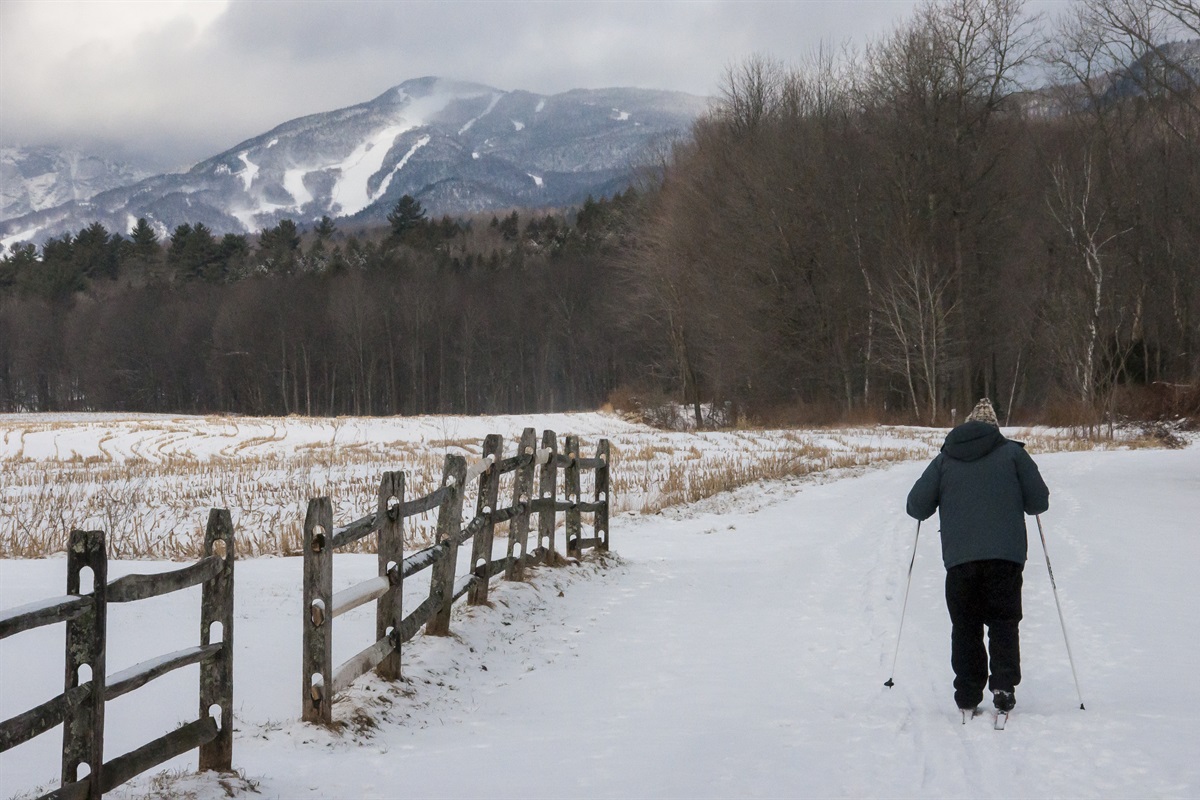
<point x="981" y="202"/>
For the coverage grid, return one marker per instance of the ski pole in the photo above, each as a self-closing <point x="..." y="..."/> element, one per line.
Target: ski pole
<point x="1054" y="588"/>
<point x="890" y="682"/>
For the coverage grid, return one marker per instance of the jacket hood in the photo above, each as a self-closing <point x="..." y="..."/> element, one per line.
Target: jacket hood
<point x="972" y="441"/>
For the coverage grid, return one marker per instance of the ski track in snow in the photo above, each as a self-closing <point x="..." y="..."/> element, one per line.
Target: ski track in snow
<point x="249" y="173"/>
<point x="491" y="105"/>
<point x="729" y="649"/>
<point x="424" y="140"/>
<point x="350" y="194"/>
<point x="16" y="238"/>
<point x="293" y="182"/>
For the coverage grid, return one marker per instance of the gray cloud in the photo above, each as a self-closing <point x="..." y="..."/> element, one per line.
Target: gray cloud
<point x="182" y="90"/>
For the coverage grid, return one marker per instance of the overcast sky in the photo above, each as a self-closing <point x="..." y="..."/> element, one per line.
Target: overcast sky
<point x="184" y="79"/>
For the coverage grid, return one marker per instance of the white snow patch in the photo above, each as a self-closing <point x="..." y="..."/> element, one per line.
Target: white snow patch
<point x="354" y="596"/>
<point x="537" y="179"/>
<point x="495" y="99"/>
<point x="35" y="606"/>
<point x="41" y="189"/>
<point x="249" y="173"/>
<point x="475" y="156"/>
<point x="541" y="105"/>
<point x="130" y="223"/>
<point x="350" y="193"/>
<point x="424" y="140"/>
<point x="149" y="664"/>
<point x="222" y="169"/>
<point x="619" y="115"/>
<point x="518" y="125"/>
<point x="272" y="143"/>
<point x="16" y="238"/>
<point x="246" y="217"/>
<point x="293" y="181"/>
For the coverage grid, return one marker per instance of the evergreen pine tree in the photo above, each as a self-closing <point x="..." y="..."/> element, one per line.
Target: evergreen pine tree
<point x="278" y="247"/>
<point x="95" y="253"/>
<point x="510" y="228"/>
<point x="193" y="252"/>
<point x="143" y="236"/>
<point x="232" y="252"/>
<point x="59" y="275"/>
<point x="325" y="229"/>
<point x="20" y="259"/>
<point x="406" y="218"/>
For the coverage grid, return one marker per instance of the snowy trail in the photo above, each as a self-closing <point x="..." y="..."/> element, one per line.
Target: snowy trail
<point x="743" y="653"/>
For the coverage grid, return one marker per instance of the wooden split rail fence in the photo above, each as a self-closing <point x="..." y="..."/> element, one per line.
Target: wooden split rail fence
<point x="321" y="682"/>
<point x="80" y="708"/>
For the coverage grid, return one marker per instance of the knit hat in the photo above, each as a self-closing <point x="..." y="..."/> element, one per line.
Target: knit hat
<point x="983" y="412"/>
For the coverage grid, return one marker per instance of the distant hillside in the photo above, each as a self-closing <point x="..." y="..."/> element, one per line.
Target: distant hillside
<point x="457" y="147"/>
<point x="37" y="178"/>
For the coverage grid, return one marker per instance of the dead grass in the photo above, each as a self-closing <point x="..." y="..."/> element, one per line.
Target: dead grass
<point x="153" y="501"/>
<point x="157" y="508"/>
<point x="687" y="481"/>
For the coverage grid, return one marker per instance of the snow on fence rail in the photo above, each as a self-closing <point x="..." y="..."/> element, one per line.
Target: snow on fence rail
<point x="80" y="708"/>
<point x="321" y="682"/>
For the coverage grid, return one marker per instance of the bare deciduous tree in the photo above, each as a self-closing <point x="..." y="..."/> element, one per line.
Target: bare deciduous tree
<point x="918" y="311"/>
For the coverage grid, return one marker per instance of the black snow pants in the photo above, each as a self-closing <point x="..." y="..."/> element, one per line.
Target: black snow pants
<point x="980" y="593"/>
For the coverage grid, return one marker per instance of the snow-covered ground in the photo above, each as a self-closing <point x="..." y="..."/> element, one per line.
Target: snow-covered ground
<point x="149" y="480"/>
<point x="736" y="647"/>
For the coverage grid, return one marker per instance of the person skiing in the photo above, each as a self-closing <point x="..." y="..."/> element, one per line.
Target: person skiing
<point x="981" y="485"/>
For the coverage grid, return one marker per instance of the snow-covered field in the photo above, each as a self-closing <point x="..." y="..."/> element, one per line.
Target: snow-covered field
<point x="736" y="646"/>
<point x="149" y="480"/>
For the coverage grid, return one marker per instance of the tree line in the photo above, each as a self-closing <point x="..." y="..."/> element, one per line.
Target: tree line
<point x="425" y="316"/>
<point x="889" y="233"/>
<point x="909" y="228"/>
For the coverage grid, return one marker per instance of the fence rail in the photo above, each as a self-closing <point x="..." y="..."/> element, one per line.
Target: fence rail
<point x="321" y="679"/>
<point x="44" y="612"/>
<point x="80" y="707"/>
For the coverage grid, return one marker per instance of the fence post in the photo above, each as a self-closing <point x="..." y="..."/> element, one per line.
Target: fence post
<point x="441" y="582"/>
<point x="518" y="528"/>
<point x="489" y="492"/>
<point x="317" y="672"/>
<point x="83" y="721"/>
<point x="548" y="491"/>
<point x="389" y="609"/>
<point x="602" y="495"/>
<point x="574" y="518"/>
<point x="216" y="674"/>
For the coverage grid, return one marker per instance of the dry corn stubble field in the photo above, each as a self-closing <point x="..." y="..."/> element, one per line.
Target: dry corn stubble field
<point x="149" y="480"/>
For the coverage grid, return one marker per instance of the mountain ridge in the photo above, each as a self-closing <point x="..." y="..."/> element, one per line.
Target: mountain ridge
<point x="36" y="177"/>
<point x="458" y="147"/>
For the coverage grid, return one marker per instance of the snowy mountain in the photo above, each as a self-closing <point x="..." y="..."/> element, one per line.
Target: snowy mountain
<point x="457" y="147"/>
<point x="36" y="178"/>
<point x="1174" y="66"/>
<point x="1171" y="67"/>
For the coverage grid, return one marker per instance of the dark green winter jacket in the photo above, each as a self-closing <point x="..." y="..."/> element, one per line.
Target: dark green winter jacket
<point x="982" y="485"/>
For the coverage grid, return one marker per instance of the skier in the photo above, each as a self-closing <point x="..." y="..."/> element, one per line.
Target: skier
<point x="981" y="484"/>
